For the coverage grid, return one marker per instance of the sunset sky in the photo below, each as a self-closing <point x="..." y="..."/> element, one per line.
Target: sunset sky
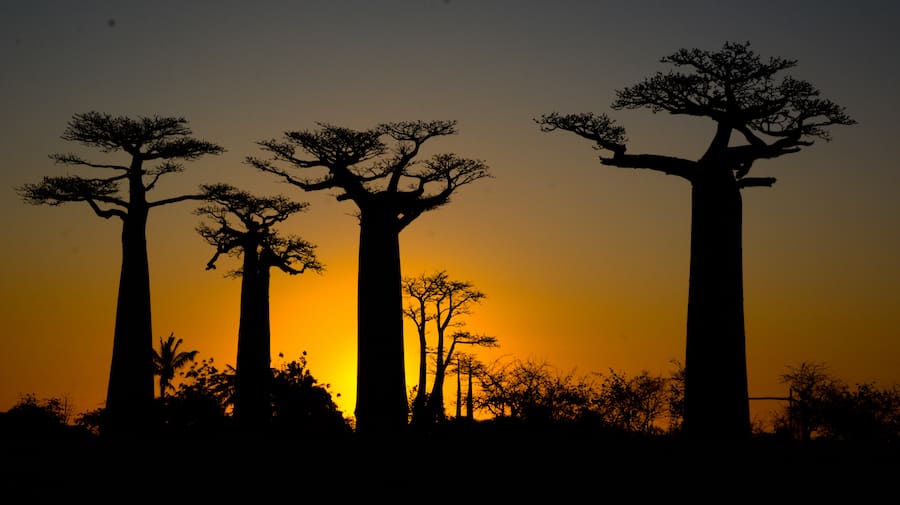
<point x="584" y="266"/>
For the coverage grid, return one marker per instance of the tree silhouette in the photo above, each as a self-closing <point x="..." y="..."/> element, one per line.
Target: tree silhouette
<point x="165" y="140"/>
<point x="421" y="289"/>
<point x="738" y="91"/>
<point x="469" y="365"/>
<point x="442" y="300"/>
<point x="390" y="189"/>
<point x="633" y="405"/>
<point x="168" y="360"/>
<point x="245" y="227"/>
<point x="533" y="392"/>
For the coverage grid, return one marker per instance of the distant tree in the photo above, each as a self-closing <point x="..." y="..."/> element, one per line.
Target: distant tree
<point x="675" y="398"/>
<point x="32" y="418"/>
<point x="739" y="92"/>
<point x="420" y="290"/>
<point x="865" y="412"/>
<point x="442" y="300"/>
<point x="534" y="392"/>
<point x="169" y="360"/>
<point x="202" y="404"/>
<point x="811" y="385"/>
<point x="822" y="406"/>
<point x="302" y="406"/>
<point x="244" y="226"/>
<point x="390" y="190"/>
<point x="129" y="400"/>
<point x="470" y="366"/>
<point x="635" y="405"/>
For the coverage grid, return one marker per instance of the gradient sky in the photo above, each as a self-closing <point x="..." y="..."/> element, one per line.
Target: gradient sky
<point x="584" y="266"/>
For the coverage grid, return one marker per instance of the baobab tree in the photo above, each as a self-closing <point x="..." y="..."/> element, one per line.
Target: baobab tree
<point x="245" y="227"/>
<point x="124" y="195"/>
<point x="471" y="366"/>
<point x="443" y="301"/>
<point x="757" y="117"/>
<point x="377" y="170"/>
<point x="420" y="290"/>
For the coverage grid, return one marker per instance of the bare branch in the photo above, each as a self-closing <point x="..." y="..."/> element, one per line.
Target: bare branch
<point x="58" y="190"/>
<point x="751" y="182"/>
<point x="600" y="129"/>
<point x="735" y="88"/>
<point x="255" y="234"/>
<point x="72" y="159"/>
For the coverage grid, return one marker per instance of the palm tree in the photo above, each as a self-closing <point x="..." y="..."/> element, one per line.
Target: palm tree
<point x="168" y="360"/>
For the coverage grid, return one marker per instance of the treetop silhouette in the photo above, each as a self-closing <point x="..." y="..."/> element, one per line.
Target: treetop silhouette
<point x="376" y="169"/>
<point x="245" y="227"/>
<point x="245" y="222"/>
<point x="143" y="139"/>
<point x="771" y="117"/>
<point x="735" y="88"/>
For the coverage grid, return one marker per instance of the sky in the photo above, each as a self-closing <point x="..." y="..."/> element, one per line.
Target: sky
<point x="584" y="266"/>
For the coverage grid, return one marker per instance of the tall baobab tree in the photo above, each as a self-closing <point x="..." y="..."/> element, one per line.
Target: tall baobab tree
<point x="168" y="360"/>
<point x="245" y="227"/>
<point x="124" y="195"/>
<point x="377" y="170"/>
<point x="442" y="300"/>
<point x="757" y="117"/>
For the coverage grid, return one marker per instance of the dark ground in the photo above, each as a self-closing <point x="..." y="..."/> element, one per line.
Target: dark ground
<point x="519" y="468"/>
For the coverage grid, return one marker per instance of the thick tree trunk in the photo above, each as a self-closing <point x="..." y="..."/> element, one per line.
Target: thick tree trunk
<point x="437" y="413"/>
<point x="252" y="408"/>
<point x="716" y="397"/>
<point x="129" y="398"/>
<point x="381" y="405"/>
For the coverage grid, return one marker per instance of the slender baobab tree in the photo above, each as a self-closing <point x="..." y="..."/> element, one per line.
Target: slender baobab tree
<point x="245" y="227"/>
<point x="757" y="117"/>
<point x="442" y="300"/>
<point x="161" y="141"/>
<point x="377" y="170"/>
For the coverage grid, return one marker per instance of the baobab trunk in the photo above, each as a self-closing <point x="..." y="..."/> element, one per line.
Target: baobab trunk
<point x="129" y="397"/>
<point x="381" y="405"/>
<point x="254" y="374"/>
<point x="419" y="406"/>
<point x="436" y="413"/>
<point x="716" y="399"/>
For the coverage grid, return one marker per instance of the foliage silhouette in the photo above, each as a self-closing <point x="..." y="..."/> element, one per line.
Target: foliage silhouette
<point x="437" y="298"/>
<point x="823" y="407"/>
<point x="739" y="92"/>
<point x="633" y="405"/>
<point x="164" y="140"/>
<point x="533" y="392"/>
<point x="40" y="419"/>
<point x="169" y="360"/>
<point x="244" y="226"/>
<point x="302" y="407"/>
<point x="390" y="189"/>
